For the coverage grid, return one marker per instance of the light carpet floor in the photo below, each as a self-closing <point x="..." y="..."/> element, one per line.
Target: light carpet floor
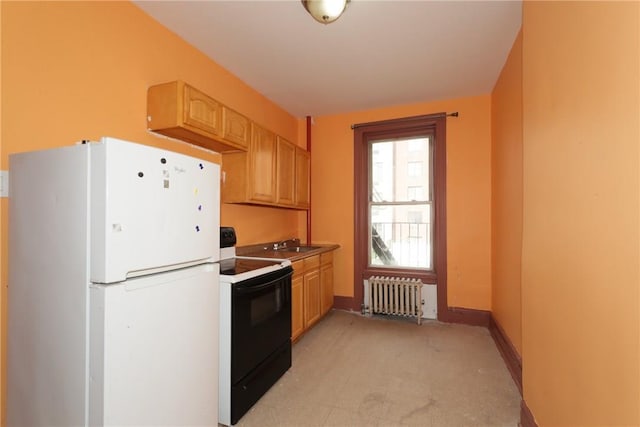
<point x="352" y="370"/>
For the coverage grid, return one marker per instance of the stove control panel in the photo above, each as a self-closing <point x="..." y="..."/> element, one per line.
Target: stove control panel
<point x="227" y="237"/>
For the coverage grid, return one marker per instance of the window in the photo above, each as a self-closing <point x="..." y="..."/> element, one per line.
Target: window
<point x="397" y="211"/>
<point x="377" y="172"/>
<point x="414" y="169"/>
<point x="415" y="193"/>
<point x="414" y="217"/>
<point x="400" y="209"/>
<point x="417" y="145"/>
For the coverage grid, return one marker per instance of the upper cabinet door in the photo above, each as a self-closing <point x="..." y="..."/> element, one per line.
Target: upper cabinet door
<point x="285" y="178"/>
<point x="302" y="178"/>
<point x="201" y="111"/>
<point x="262" y="167"/>
<point x="180" y="111"/>
<point x="236" y="128"/>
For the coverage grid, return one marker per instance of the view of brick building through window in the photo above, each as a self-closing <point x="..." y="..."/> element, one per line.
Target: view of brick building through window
<point x="401" y="203"/>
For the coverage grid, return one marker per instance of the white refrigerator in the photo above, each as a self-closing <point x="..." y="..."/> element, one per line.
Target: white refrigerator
<point x="113" y="290"/>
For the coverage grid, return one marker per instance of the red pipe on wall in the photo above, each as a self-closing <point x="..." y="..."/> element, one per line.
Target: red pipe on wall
<point x="309" y="210"/>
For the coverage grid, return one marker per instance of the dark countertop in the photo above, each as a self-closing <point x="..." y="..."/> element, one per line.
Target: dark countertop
<point x="265" y="251"/>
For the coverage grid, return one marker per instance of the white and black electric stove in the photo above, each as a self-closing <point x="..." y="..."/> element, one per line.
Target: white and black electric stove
<point x="255" y="327"/>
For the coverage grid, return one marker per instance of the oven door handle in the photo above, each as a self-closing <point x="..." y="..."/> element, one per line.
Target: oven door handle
<point x="248" y="289"/>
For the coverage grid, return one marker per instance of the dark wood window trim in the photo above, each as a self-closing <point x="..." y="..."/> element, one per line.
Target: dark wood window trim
<point x="433" y="124"/>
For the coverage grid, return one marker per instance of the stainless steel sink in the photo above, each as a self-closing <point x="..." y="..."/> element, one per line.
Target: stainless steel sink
<point x="300" y="249"/>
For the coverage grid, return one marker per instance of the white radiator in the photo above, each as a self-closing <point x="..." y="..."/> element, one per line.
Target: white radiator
<point x="396" y="296"/>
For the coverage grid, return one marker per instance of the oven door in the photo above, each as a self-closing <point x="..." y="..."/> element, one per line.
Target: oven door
<point x="261" y="320"/>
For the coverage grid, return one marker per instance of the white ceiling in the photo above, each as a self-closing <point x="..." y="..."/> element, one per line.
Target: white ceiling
<point x="378" y="54"/>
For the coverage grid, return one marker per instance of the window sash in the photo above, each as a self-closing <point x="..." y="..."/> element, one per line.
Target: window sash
<point x="426" y="178"/>
<point x="411" y="244"/>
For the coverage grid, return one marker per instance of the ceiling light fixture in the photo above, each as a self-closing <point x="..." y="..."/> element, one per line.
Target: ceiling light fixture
<point x="325" y="11"/>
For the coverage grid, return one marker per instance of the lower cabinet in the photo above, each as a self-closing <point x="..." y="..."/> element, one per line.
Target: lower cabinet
<point x="326" y="282"/>
<point x="311" y="291"/>
<point x="297" y="300"/>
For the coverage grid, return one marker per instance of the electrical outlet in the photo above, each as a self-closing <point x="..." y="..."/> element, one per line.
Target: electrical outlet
<point x="4" y="183"/>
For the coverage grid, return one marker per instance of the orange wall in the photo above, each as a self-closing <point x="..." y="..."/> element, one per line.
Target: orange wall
<point x="506" y="196"/>
<point x="581" y="195"/>
<point x="4" y="208"/>
<point x="68" y="75"/>
<point x="80" y="70"/>
<point x="468" y="193"/>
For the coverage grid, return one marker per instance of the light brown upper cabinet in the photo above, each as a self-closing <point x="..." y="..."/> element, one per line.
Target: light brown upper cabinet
<point x="302" y="178"/>
<point x="250" y="177"/>
<point x="236" y="128"/>
<point x="285" y="177"/>
<point x="180" y="111"/>
<point x="262" y="157"/>
<point x="201" y="112"/>
<point x="273" y="172"/>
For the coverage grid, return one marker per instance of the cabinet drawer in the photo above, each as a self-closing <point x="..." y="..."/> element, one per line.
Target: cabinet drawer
<point x="311" y="262"/>
<point x="326" y="258"/>
<point x="298" y="268"/>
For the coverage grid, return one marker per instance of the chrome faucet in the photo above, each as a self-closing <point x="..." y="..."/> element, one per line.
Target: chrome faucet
<point x="286" y="243"/>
